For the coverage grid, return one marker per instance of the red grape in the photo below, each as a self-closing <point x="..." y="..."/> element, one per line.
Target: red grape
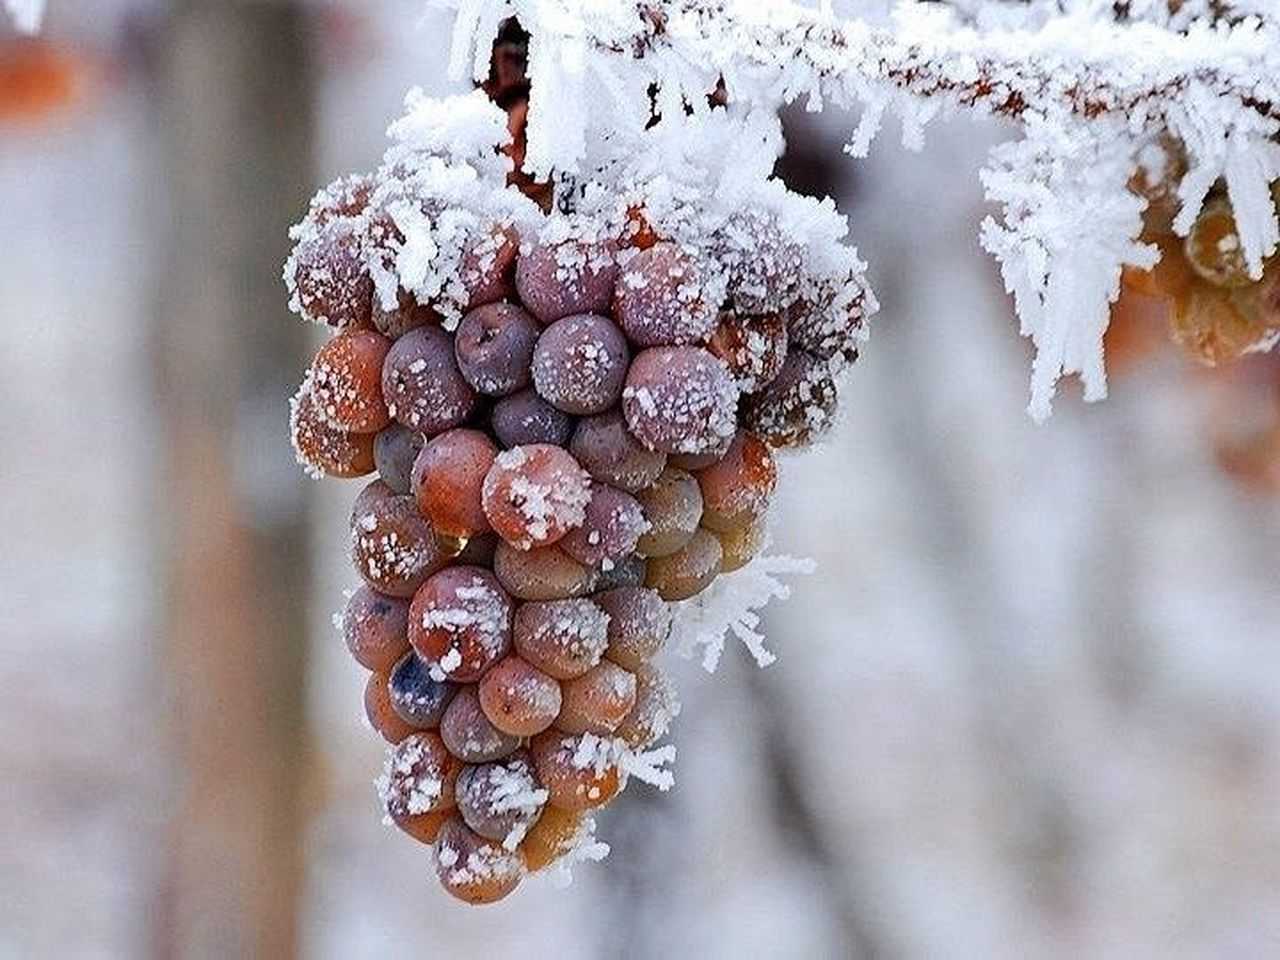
<point x="597" y="701"/>
<point x="798" y="407"/>
<point x="501" y="801"/>
<point x="346" y="381"/>
<point x="329" y="279"/>
<point x="394" y="450"/>
<point x="419" y="776"/>
<point x="535" y="494"/>
<point x="562" y="638"/>
<point x="488" y="266"/>
<point x="321" y="448"/>
<point x="447" y="480"/>
<point x="473" y="869"/>
<point x="606" y="449"/>
<point x="376" y="628"/>
<point x="737" y="490"/>
<point x="562" y="279"/>
<point x="469" y="735"/>
<point x="525" y="418"/>
<point x="690" y="570"/>
<point x="518" y="698"/>
<point x="673" y="507"/>
<point x="613" y="524"/>
<point x="377" y="707"/>
<point x="543" y="573"/>
<point x="416" y="696"/>
<point x="407" y="315"/>
<point x="754" y="348"/>
<point x="393" y="548"/>
<point x="639" y="624"/>
<point x="656" y="706"/>
<point x="551" y="837"/>
<point x="569" y="785"/>
<point x="460" y="622"/>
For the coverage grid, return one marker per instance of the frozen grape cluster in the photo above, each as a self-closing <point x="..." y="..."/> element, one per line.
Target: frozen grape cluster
<point x="572" y="418"/>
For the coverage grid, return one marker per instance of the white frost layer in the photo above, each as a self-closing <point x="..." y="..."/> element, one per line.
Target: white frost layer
<point x="27" y="14"/>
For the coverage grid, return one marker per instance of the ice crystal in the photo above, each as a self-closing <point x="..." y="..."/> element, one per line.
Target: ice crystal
<point x="27" y="14"/>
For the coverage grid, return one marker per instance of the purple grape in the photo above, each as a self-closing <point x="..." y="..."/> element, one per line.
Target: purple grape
<point x="606" y="449"/>
<point x="613" y="525"/>
<point x="329" y="279"/>
<point x="494" y="345"/>
<point x="661" y="299"/>
<point x="563" y="279"/>
<point x="680" y="400"/>
<point x="423" y="386"/>
<point x="525" y="418"/>
<point x="395" y="448"/>
<point x="500" y="801"/>
<point x="627" y="572"/>
<point x="580" y="363"/>
<point x="416" y="697"/>
<point x="469" y="735"/>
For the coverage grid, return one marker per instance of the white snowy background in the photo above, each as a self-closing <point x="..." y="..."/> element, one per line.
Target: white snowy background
<point x="1028" y="706"/>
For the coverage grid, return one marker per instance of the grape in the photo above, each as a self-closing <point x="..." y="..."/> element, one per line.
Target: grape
<point x="345" y="197"/>
<point x="518" y="698"/>
<point x="370" y="494"/>
<point x="661" y="299"/>
<point x="559" y="280"/>
<point x="422" y="384"/>
<point x="606" y="449"/>
<point x="597" y="701"/>
<point x="640" y="233"/>
<point x="827" y="330"/>
<point x="501" y="801"/>
<point x="737" y="490"/>
<point x="376" y="628"/>
<point x="613" y="524"/>
<point x="407" y="315"/>
<point x="571" y="785"/>
<point x="424" y="827"/>
<point x="393" y="548"/>
<point x="543" y="573"/>
<point x="680" y="400"/>
<point x="1213" y="247"/>
<point x="798" y="407"/>
<point x="447" y="479"/>
<point x="460" y="622"/>
<point x="525" y="418"/>
<point x="394" y="450"/>
<point x="754" y="348"/>
<point x="742" y="544"/>
<point x="322" y="449"/>
<point x="346" y="381"/>
<point x="555" y="834"/>
<point x="416" y="696"/>
<point x="377" y="707"/>
<point x="1213" y="326"/>
<point x="673" y="507"/>
<point x="329" y="279"/>
<point x="494" y="347"/>
<point x="562" y="638"/>
<point x="469" y="735"/>
<point x="535" y="494"/>
<point x="418" y="776"/>
<point x="488" y="266"/>
<point x="690" y="570"/>
<point x="627" y="572"/>
<point x="656" y="706"/>
<point x="473" y="869"/>
<point x="700" y="461"/>
<point x="639" y="624"/>
<point x="580" y="363"/>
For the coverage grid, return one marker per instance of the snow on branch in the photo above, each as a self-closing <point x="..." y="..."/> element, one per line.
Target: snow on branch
<point x="1092" y="84"/>
<point x="27" y="14"/>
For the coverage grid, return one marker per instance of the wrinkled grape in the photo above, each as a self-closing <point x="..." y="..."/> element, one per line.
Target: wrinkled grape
<point x="754" y="348"/>
<point x="798" y="407"/>
<point x="494" y="347"/>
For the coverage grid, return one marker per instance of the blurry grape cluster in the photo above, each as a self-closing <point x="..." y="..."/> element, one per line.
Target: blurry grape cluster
<point x="589" y="442"/>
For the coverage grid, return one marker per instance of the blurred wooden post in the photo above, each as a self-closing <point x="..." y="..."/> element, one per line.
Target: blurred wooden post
<point x="233" y="106"/>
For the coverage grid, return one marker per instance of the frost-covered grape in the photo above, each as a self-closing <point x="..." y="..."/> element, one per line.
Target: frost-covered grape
<point x="554" y="835"/>
<point x="424" y="827"/>
<point x="559" y="280"/>
<point x="423" y="386"/>
<point x="488" y="266"/>
<point x="394" y="450"/>
<point x="345" y="197"/>
<point x="737" y="490"/>
<point x="447" y="480"/>
<point x="700" y="461"/>
<point x="597" y="701"/>
<point x="323" y="449"/>
<point x="375" y="628"/>
<point x="661" y="299"/>
<point x="828" y="329"/>
<point x="370" y="494"/>
<point x="680" y="400"/>
<point x="562" y="638"/>
<point x="742" y="545"/>
<point x="535" y="494"/>
<point x="613" y="525"/>
<point x="329" y="278"/>
<point x="1214" y="248"/>
<point x="473" y="869"/>
<point x="607" y="450"/>
<point x="418" y="776"/>
<point x="494" y="346"/>
<point x="688" y="571"/>
<point x="346" y="381"/>
<point x="469" y="735"/>
<point x="798" y="407"/>
<point x="502" y="800"/>
<point x="392" y="547"/>
<point x="657" y="704"/>
<point x="377" y="707"/>
<point x="754" y="348"/>
<point x="407" y="315"/>
<point x="639" y="624"/>
<point x="627" y="572"/>
<point x="460" y="622"/>
<point x="543" y="573"/>
<point x="518" y="698"/>
<point x="416" y="696"/>
<point x="580" y="363"/>
<point x="673" y="508"/>
<point x="573" y="782"/>
<point x="524" y="418"/>
<point x="639" y="230"/>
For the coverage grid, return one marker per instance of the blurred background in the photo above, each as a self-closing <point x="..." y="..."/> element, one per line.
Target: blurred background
<point x="1028" y="706"/>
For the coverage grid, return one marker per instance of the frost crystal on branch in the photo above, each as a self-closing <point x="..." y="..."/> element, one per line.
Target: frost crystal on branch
<point x="1094" y="84"/>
